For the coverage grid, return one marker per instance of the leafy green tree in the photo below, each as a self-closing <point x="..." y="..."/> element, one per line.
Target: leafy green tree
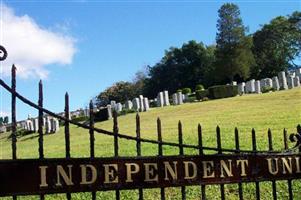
<point x="1" y="121"/>
<point x="5" y="120"/>
<point x="277" y="45"/>
<point x="179" y="68"/>
<point x="233" y="53"/>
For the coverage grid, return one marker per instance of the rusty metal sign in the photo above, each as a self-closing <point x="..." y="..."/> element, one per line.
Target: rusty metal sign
<point x="30" y="176"/>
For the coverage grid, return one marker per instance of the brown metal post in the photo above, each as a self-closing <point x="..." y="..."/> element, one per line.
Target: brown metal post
<point x="240" y="191"/>
<point x="13" y="116"/>
<point x="181" y="152"/>
<point x="160" y="152"/>
<point x="40" y="129"/>
<point x="115" y="131"/>
<point x="92" y="139"/>
<point x="219" y="147"/>
<point x="67" y="133"/>
<point x="255" y="149"/>
<point x="201" y="152"/>
<point x="138" y="147"/>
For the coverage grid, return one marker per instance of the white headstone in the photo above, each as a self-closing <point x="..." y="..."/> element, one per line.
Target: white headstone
<point x="109" y="109"/>
<point x="290" y="82"/>
<point x="128" y="105"/>
<point x="118" y="107"/>
<point x="257" y="87"/>
<point x="160" y="99"/>
<point x="241" y="88"/>
<point x="268" y="82"/>
<point x="282" y="80"/>
<point x="175" y="99"/>
<point x="141" y="103"/>
<point x="180" y="98"/>
<point x="276" y="85"/>
<point x="145" y="104"/>
<point x="298" y="72"/>
<point x="113" y="104"/>
<point x="296" y="81"/>
<point x="136" y="105"/>
<point x="35" y="123"/>
<point x="166" y="98"/>
<point x="250" y="86"/>
<point x="234" y="83"/>
<point x="47" y="125"/>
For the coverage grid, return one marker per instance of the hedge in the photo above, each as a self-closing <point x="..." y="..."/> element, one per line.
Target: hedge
<point x="222" y="91"/>
<point x="200" y="94"/>
<point x="199" y="87"/>
<point x="186" y="90"/>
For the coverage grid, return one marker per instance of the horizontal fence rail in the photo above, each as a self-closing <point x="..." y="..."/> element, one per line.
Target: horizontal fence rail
<point x="69" y="175"/>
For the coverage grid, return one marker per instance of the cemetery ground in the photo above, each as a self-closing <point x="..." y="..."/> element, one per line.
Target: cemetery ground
<point x="276" y="110"/>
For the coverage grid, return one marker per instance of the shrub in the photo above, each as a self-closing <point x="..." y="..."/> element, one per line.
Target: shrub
<point x="186" y="90"/>
<point x="222" y="91"/>
<point x="179" y="90"/>
<point x="80" y="118"/>
<point x="200" y="94"/>
<point x="199" y="87"/>
<point x="267" y="89"/>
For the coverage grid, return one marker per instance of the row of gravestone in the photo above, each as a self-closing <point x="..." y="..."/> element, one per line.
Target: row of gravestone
<point x="280" y="82"/>
<point x="51" y="125"/>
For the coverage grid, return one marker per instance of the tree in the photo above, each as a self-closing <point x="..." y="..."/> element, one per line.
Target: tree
<point x="1" y="121"/>
<point x="5" y="120"/>
<point x="179" y="68"/>
<point x="277" y="45"/>
<point x="233" y="53"/>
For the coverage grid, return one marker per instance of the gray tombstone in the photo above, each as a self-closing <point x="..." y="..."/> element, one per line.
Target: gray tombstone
<point x="282" y="80"/>
<point x="145" y="104"/>
<point x="298" y="73"/>
<point x="118" y="107"/>
<point x="109" y="110"/>
<point x="166" y="98"/>
<point x="290" y="81"/>
<point x="250" y="86"/>
<point x="257" y="87"/>
<point x="241" y="88"/>
<point x="141" y="103"/>
<point x="86" y="112"/>
<point x="180" y="98"/>
<point x="113" y="105"/>
<point x="262" y="84"/>
<point x="128" y="105"/>
<point x="175" y="99"/>
<point x="47" y="125"/>
<point x="136" y="105"/>
<point x="35" y="123"/>
<point x="276" y="85"/>
<point x="268" y="82"/>
<point x="29" y="125"/>
<point x="296" y="81"/>
<point x="160" y="99"/>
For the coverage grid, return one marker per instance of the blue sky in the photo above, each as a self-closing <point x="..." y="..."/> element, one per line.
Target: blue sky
<point x="113" y="40"/>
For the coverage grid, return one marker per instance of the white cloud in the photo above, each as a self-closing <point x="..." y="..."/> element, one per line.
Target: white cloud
<point x="4" y="114"/>
<point x="30" y="47"/>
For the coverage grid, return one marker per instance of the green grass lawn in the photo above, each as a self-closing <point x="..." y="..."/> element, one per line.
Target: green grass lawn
<point x="275" y="110"/>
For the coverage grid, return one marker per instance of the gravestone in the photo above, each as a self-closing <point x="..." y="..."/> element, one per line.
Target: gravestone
<point x="86" y="112"/>
<point x="262" y="84"/>
<point x="35" y="123"/>
<point x="241" y="88"/>
<point x="290" y="82"/>
<point x="141" y="103"/>
<point x="118" y="107"/>
<point x="136" y="105"/>
<point x="257" y="87"/>
<point x="166" y="98"/>
<point x="47" y="125"/>
<point x="180" y="98"/>
<point x="298" y="73"/>
<point x="29" y="125"/>
<point x="233" y="83"/>
<point x="268" y="82"/>
<point x="160" y="99"/>
<point x="128" y="105"/>
<point x="282" y="80"/>
<point x="296" y="81"/>
<point x="113" y="105"/>
<point x="175" y="99"/>
<point x="250" y="86"/>
<point x="109" y="111"/>
<point x="276" y="85"/>
<point x="56" y="125"/>
<point x="145" y="104"/>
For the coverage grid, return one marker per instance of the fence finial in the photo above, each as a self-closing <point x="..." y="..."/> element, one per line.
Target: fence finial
<point x="3" y="54"/>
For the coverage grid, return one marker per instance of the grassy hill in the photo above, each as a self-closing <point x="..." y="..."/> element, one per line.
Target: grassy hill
<point x="275" y="110"/>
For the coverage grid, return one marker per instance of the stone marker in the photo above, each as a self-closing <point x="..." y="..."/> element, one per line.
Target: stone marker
<point x="250" y="86"/>
<point x="276" y="85"/>
<point x="35" y="123"/>
<point x="29" y="125"/>
<point x="166" y="98"/>
<point x="257" y="87"/>
<point x="113" y="105"/>
<point x="141" y="103"/>
<point x="48" y="125"/>
<point x="298" y="73"/>
<point x="160" y="99"/>
<point x="175" y="99"/>
<point x="136" y="105"/>
<point x="128" y="105"/>
<point x="268" y="82"/>
<point x="290" y="81"/>
<point x="241" y="88"/>
<point x="233" y="83"/>
<point x="109" y="110"/>
<point x="180" y="98"/>
<point x="282" y="80"/>
<point x="145" y="104"/>
<point x="296" y="81"/>
<point x="118" y="107"/>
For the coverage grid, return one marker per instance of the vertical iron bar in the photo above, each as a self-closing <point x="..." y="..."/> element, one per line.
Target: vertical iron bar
<point x="13" y="113"/>
<point x="201" y="152"/>
<point x="289" y="181"/>
<point x="138" y="148"/>
<point x="67" y="133"/>
<point x="219" y="147"/>
<point x="240" y="190"/>
<point x="92" y="139"/>
<point x="13" y="116"/>
<point x="160" y="152"/>
<point x="181" y="152"/>
<point x="255" y="149"/>
<point x="271" y="149"/>
<point x="40" y="129"/>
<point x="115" y="131"/>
